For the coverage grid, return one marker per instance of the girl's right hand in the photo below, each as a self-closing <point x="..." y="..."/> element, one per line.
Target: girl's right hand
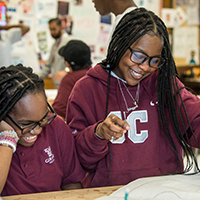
<point x="112" y="128"/>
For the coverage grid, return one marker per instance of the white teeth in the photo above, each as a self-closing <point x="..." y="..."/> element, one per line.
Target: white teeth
<point x="136" y="74"/>
<point x="30" y="137"/>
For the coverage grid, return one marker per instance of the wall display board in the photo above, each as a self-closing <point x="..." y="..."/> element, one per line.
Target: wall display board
<point x="153" y="5"/>
<point x="186" y="42"/>
<point x="79" y="19"/>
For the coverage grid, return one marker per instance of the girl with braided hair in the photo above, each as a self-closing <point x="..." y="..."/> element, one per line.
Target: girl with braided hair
<point x="137" y="82"/>
<point x="37" y="150"/>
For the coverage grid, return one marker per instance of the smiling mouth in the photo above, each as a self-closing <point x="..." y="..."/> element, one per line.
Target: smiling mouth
<point x="135" y="74"/>
<point x="30" y="139"/>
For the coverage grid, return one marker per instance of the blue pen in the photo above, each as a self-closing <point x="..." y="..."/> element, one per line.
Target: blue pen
<point x="126" y="194"/>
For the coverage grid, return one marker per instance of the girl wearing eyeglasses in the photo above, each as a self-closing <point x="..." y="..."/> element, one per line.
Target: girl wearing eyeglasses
<point x="131" y="114"/>
<point x="37" y="152"/>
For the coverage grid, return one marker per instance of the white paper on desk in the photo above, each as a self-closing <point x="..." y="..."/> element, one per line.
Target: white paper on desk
<point x="161" y="187"/>
<point x="122" y="198"/>
<point x="51" y="93"/>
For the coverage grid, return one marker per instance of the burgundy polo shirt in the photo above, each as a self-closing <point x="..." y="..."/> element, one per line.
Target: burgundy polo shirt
<point x="47" y="165"/>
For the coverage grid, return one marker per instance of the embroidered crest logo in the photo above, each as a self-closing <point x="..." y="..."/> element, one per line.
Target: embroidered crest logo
<point x="50" y="154"/>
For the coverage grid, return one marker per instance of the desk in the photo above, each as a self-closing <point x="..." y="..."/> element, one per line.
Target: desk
<point x="81" y="194"/>
<point x="48" y="83"/>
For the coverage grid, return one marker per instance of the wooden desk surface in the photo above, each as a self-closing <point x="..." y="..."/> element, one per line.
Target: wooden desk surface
<point x="81" y="194"/>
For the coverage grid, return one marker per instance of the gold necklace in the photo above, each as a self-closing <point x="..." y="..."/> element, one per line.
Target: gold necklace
<point x="135" y="100"/>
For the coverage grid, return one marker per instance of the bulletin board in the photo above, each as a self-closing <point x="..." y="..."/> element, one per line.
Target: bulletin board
<point x="184" y="21"/>
<point x="79" y="19"/>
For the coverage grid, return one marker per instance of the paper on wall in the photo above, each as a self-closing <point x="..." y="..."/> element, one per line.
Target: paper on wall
<point x="168" y="15"/>
<point x="46" y="8"/>
<point x="185" y="39"/>
<point x="192" y="15"/>
<point x="153" y="5"/>
<point x="180" y="17"/>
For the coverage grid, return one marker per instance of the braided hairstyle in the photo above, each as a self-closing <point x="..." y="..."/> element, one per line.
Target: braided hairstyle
<point x="133" y="26"/>
<point x="16" y="82"/>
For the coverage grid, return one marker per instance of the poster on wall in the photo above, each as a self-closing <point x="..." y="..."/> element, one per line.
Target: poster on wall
<point x="42" y="41"/>
<point x="168" y="16"/>
<point x="185" y="3"/>
<point x="180" y="17"/>
<point x="45" y="8"/>
<point x="185" y="43"/>
<point x="63" y="15"/>
<point x="12" y="15"/>
<point x="42" y="34"/>
<point x="2" y="13"/>
<point x="181" y="3"/>
<point x="28" y="7"/>
<point x="153" y="5"/>
<point x="173" y="17"/>
<point x="193" y="14"/>
<point x="87" y="27"/>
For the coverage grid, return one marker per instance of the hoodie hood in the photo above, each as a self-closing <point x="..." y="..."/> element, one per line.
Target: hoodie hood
<point x="149" y="83"/>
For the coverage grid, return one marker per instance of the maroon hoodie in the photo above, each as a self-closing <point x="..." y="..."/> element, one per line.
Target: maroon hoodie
<point x="143" y="151"/>
<point x="64" y="90"/>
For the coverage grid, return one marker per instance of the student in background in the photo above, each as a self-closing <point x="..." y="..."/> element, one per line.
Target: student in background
<point x="136" y="82"/>
<point x="77" y="59"/>
<point x="9" y="34"/>
<point x="55" y="62"/>
<point x="118" y="7"/>
<point x="37" y="151"/>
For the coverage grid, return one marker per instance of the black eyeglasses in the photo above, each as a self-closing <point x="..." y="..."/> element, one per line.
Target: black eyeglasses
<point x="47" y="119"/>
<point x="139" y="58"/>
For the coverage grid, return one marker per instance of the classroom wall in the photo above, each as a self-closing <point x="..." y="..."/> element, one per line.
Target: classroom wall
<point x="89" y="26"/>
<point x="187" y="35"/>
<point x="36" y="44"/>
<point x="183" y="21"/>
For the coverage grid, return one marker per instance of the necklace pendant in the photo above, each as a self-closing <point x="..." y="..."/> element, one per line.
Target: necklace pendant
<point x="135" y="102"/>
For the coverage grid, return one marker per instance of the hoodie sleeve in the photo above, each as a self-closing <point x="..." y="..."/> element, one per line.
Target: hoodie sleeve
<point x="82" y="117"/>
<point x="192" y="107"/>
